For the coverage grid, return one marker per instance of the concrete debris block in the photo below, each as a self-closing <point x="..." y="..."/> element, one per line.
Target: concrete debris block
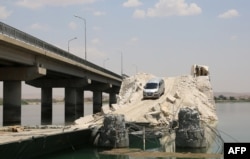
<point x="156" y="107"/>
<point x="151" y="119"/>
<point x="154" y="114"/>
<point x="106" y="109"/>
<point x="162" y="120"/>
<point x="84" y="120"/>
<point x="115" y="107"/>
<point x="177" y="95"/>
<point x="16" y="129"/>
<point x="165" y="111"/>
<point x="171" y="99"/>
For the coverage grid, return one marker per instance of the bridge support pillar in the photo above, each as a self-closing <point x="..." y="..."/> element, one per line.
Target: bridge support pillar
<point x="70" y="105"/>
<point x="46" y="106"/>
<point x="97" y="101"/>
<point x="11" y="103"/>
<point x="112" y="98"/>
<point x="73" y="104"/>
<point x="79" y="103"/>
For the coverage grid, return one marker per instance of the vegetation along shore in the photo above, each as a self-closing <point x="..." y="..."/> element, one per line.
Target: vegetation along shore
<point x="218" y="97"/>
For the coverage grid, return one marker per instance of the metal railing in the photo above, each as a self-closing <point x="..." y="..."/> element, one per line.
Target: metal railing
<point x="29" y="39"/>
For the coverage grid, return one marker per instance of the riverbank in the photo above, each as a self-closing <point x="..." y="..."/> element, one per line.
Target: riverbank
<point x="232" y="101"/>
<point x="224" y="97"/>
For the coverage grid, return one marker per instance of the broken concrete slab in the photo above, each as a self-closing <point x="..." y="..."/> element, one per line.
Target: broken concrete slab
<point x="171" y="99"/>
<point x="84" y="120"/>
<point x="106" y="109"/>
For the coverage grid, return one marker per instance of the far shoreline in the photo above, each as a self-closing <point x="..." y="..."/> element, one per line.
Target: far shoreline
<point x="230" y="101"/>
<point x="37" y="101"/>
<point x="218" y="99"/>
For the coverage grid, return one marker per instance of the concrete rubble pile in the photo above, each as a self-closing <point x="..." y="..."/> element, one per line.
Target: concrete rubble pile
<point x="131" y="88"/>
<point x="180" y="91"/>
<point x="185" y="96"/>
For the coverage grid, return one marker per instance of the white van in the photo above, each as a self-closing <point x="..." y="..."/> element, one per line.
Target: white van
<point x="154" y="88"/>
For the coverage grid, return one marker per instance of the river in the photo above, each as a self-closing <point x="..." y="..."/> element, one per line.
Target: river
<point x="233" y="126"/>
<point x="31" y="114"/>
<point x="233" y="121"/>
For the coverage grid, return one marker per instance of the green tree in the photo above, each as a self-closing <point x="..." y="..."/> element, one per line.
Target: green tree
<point x="222" y="97"/>
<point x="232" y="98"/>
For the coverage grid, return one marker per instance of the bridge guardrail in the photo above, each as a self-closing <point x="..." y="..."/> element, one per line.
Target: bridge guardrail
<point x="27" y="38"/>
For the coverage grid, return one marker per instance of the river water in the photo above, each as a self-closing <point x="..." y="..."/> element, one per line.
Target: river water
<point x="233" y="127"/>
<point x="234" y="121"/>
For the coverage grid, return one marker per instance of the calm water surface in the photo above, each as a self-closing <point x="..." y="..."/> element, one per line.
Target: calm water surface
<point x="31" y="114"/>
<point x="234" y="121"/>
<point x="233" y="126"/>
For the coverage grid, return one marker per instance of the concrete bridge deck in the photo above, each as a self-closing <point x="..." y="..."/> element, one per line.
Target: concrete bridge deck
<point x="42" y="65"/>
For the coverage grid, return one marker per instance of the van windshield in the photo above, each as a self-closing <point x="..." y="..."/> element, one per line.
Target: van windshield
<point x="151" y="85"/>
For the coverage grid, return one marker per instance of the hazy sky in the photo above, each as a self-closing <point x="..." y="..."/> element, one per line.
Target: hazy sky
<point x="161" y="37"/>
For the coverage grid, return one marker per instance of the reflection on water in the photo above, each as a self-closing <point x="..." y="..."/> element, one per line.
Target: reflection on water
<point x="166" y="144"/>
<point x="215" y="144"/>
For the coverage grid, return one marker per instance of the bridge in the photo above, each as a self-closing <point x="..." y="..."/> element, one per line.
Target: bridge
<point x="42" y="65"/>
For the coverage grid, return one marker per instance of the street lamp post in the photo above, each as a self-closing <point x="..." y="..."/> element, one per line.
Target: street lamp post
<point x="70" y="41"/>
<point x="85" y="37"/>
